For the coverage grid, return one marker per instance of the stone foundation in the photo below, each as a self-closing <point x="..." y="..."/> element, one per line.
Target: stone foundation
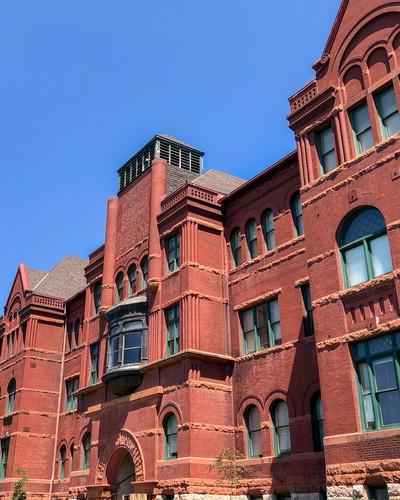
<point x="195" y="496"/>
<point x="358" y="492"/>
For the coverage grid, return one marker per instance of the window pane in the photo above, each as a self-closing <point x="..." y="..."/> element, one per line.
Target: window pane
<point x="250" y="343"/>
<point x="326" y="140"/>
<point x="329" y="161"/>
<point x="132" y="356"/>
<point x="390" y="407"/>
<point x="133" y="340"/>
<point x="392" y="123"/>
<point x="247" y="318"/>
<point x="380" y="344"/>
<point x="356" y="265"/>
<point x="365" y="140"/>
<point x="366" y="222"/>
<point x="380" y="253"/>
<point x="254" y="419"/>
<point x="133" y="325"/>
<point x="281" y="414"/>
<point x="385" y="375"/>
<point x="386" y="102"/>
<point x="274" y="311"/>
<point x="256" y="443"/>
<point x="360" y="118"/>
<point x="284" y="439"/>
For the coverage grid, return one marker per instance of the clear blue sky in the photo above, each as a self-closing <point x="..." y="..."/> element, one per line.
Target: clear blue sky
<point x="85" y="83"/>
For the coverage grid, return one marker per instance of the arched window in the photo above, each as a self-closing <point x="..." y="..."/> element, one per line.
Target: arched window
<point x="236" y="247"/>
<point x="297" y="214"/>
<point x="71" y="452"/>
<point x="280" y="418"/>
<point x="364" y="246"/>
<point x="70" y="332"/>
<point x="317" y="421"/>
<point x="267" y="223"/>
<point x="170" y="437"/>
<point x="253" y="427"/>
<point x="119" y="287"/>
<point x="144" y="266"/>
<point x="251" y="237"/>
<point x="62" y="459"/>
<point x="97" y="297"/>
<point x="132" y="274"/>
<point x="11" y="390"/>
<point x="77" y="329"/>
<point x="86" y="444"/>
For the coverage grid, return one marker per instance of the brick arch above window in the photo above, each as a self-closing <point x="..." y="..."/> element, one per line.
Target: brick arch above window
<point x="170" y="407"/>
<point x="280" y="394"/>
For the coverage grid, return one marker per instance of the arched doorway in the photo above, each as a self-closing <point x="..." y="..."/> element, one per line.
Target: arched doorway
<point x="121" y="474"/>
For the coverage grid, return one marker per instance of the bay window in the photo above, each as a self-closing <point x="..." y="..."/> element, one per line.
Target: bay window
<point x="127" y="344"/>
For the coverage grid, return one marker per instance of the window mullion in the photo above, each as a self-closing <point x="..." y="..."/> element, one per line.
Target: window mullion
<point x="368" y="259"/>
<point x="256" y="334"/>
<point x="374" y="398"/>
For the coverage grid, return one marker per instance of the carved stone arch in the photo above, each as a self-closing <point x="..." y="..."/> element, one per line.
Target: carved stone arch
<point x="120" y="443"/>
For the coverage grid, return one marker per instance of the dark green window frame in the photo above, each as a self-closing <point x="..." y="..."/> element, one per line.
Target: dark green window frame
<point x="251" y="238"/>
<point x="364" y="242"/>
<point x="5" y="446"/>
<point x="71" y="386"/>
<point x="127" y="344"/>
<point x="11" y="392"/>
<point x="94" y="364"/>
<point x="308" y="319"/>
<point x="86" y="445"/>
<point x="172" y="319"/>
<point x="236" y="247"/>
<point x="173" y="252"/>
<point x="389" y="117"/>
<point x="132" y="279"/>
<point x="297" y="214"/>
<point x="119" y="287"/>
<point x="326" y="149"/>
<point x="97" y="297"/>
<point x="363" y="138"/>
<point x="62" y="460"/>
<point x="253" y="431"/>
<point x="144" y="266"/>
<point x="261" y="326"/>
<point x="281" y="428"/>
<point x="268" y="228"/>
<point x="368" y="357"/>
<point x="170" y="437"/>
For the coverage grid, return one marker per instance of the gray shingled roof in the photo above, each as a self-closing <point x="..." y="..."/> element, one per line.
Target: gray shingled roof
<point x="218" y="181"/>
<point x="65" y="279"/>
<point x="34" y="276"/>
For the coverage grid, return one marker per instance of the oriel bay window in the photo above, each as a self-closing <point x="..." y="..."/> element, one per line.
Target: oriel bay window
<point x="261" y="326"/>
<point x="378" y="375"/>
<point x="361" y="124"/>
<point x="386" y="106"/>
<point x="127" y="344"/>
<point x="326" y="149"/>
<point x="173" y="252"/>
<point x="173" y="334"/>
<point x="364" y="247"/>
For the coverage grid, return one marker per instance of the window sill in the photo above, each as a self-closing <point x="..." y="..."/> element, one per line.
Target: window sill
<point x="89" y="388"/>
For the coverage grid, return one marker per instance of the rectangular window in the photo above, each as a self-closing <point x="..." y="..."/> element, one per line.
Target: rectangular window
<point x="172" y="251"/>
<point x="97" y="297"/>
<point x="172" y="321"/>
<point x="308" y="311"/>
<point x="72" y="400"/>
<point x="378" y="374"/>
<point x="360" y="122"/>
<point x="5" y="444"/>
<point x="261" y="326"/>
<point x="94" y="364"/>
<point x="326" y="149"/>
<point x="386" y="106"/>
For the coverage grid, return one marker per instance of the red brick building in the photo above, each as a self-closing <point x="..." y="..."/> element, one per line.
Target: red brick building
<point x="258" y="316"/>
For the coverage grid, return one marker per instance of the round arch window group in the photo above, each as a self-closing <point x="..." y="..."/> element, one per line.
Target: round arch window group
<point x="136" y="279"/>
<point x="86" y="444"/>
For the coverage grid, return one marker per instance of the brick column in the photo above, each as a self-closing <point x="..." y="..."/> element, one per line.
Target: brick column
<point x="109" y="254"/>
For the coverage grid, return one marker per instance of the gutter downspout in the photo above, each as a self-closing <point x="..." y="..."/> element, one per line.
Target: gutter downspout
<point x="59" y="407"/>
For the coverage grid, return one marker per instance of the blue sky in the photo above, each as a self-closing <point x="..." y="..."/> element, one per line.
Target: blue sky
<point x="85" y="83"/>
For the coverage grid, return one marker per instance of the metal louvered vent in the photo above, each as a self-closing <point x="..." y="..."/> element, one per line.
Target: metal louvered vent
<point x="175" y="152"/>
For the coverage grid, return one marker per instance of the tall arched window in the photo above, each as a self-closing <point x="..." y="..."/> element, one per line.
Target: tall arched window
<point x="236" y="247"/>
<point x="251" y="237"/>
<point x="97" y="297"/>
<point x="144" y="266"/>
<point x="77" y="329"/>
<point x="86" y="444"/>
<point x="317" y="421"/>
<point x="70" y="332"/>
<point x="132" y="274"/>
<point x="62" y="459"/>
<point x="253" y="427"/>
<point x="268" y="227"/>
<point x="297" y="214"/>
<point x="71" y="452"/>
<point x="170" y="437"/>
<point x="280" y="418"/>
<point x="11" y="390"/>
<point x="364" y="246"/>
<point x="119" y="287"/>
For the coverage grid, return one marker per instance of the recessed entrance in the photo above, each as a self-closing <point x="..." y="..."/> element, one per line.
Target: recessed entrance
<point x="121" y="474"/>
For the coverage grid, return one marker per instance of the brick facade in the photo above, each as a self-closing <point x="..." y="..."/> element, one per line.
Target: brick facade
<point x="210" y="343"/>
